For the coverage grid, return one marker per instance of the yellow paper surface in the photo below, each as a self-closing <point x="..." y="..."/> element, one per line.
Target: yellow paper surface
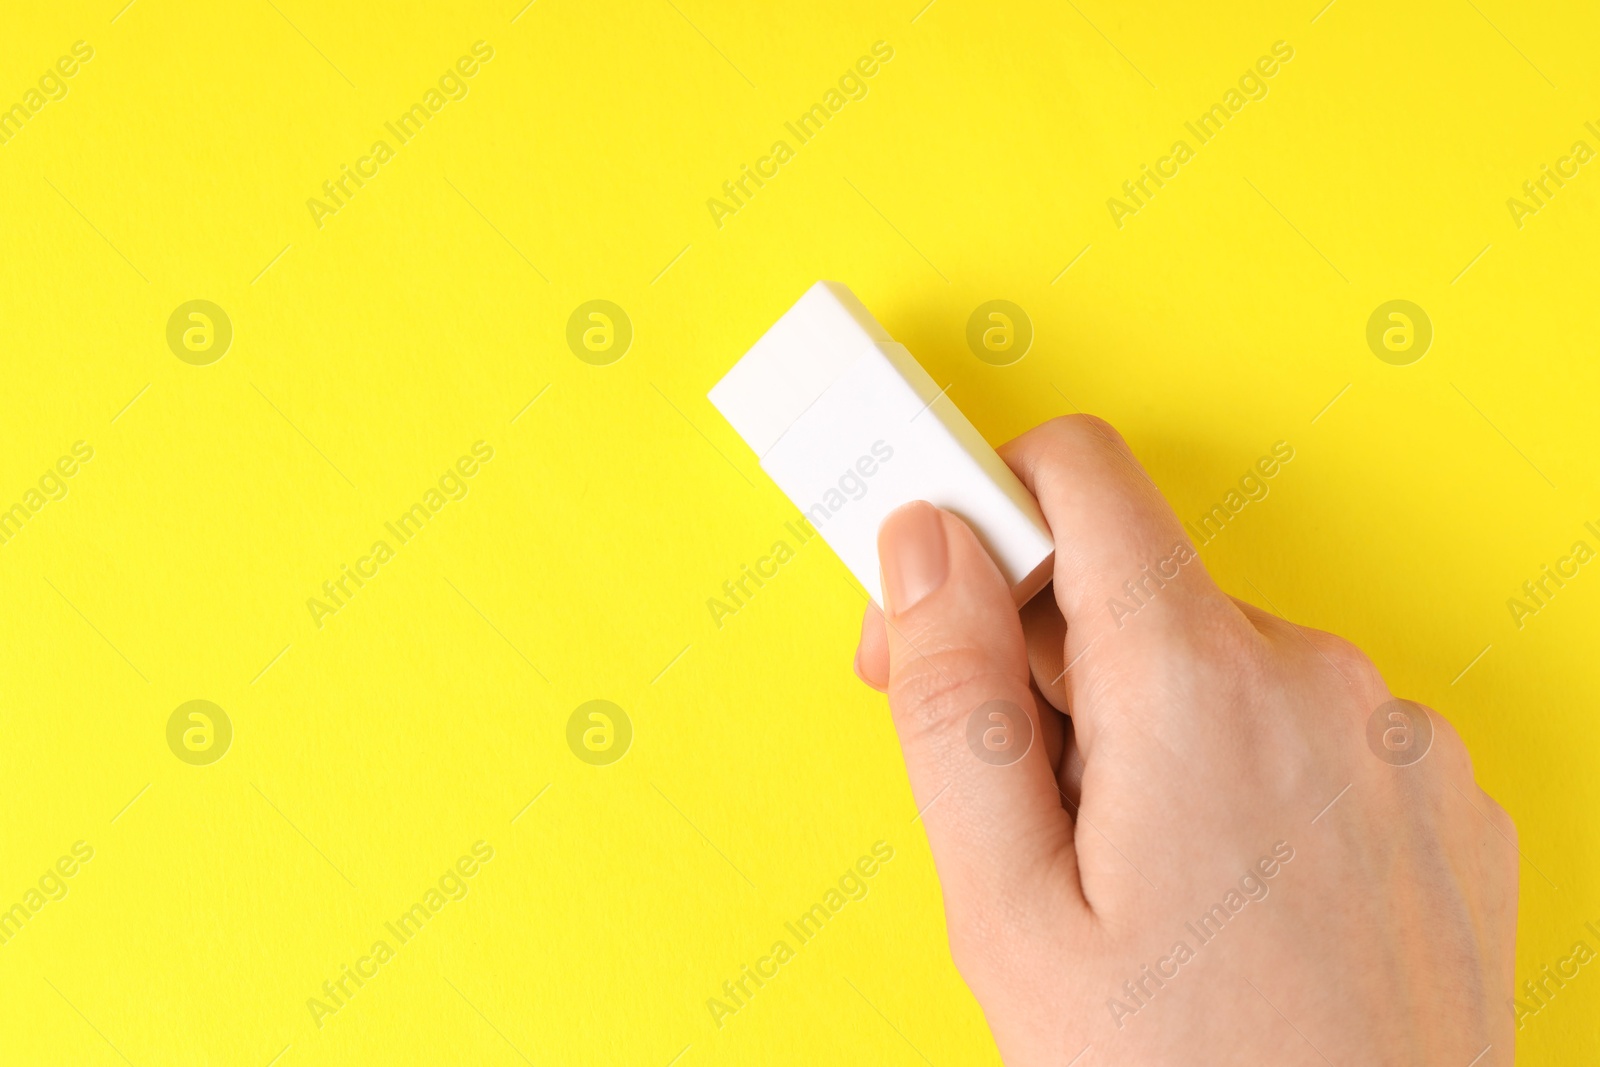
<point x="377" y="339"/>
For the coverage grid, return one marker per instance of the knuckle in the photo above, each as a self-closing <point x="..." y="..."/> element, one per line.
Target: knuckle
<point x="930" y="685"/>
<point x="1445" y="731"/>
<point x="1353" y="665"/>
<point x="1452" y="749"/>
<point x="1087" y="446"/>
<point x="1084" y="433"/>
<point x="1099" y="427"/>
<point x="1502" y="819"/>
<point x="1216" y="632"/>
<point x="936" y="687"/>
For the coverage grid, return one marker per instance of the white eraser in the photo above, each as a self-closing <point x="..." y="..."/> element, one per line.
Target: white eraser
<point x="850" y="427"/>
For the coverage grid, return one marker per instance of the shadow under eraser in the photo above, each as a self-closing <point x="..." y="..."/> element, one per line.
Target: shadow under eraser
<point x="850" y="427"/>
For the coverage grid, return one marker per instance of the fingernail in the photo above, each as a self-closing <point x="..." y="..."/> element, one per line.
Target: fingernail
<point x="915" y="557"/>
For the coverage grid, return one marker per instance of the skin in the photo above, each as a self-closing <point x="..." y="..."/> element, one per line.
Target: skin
<point x="1174" y="749"/>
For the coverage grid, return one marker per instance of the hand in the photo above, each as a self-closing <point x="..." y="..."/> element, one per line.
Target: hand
<point x="1199" y="857"/>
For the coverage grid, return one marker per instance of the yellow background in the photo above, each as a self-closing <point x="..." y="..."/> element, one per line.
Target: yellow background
<point x="370" y="353"/>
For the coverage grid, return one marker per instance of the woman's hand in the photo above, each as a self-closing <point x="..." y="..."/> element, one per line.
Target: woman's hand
<point x="1170" y="827"/>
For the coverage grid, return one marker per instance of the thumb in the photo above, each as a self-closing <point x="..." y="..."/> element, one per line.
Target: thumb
<point x="969" y="725"/>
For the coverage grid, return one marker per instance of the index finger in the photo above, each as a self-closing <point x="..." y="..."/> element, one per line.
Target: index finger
<point x="1122" y="556"/>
